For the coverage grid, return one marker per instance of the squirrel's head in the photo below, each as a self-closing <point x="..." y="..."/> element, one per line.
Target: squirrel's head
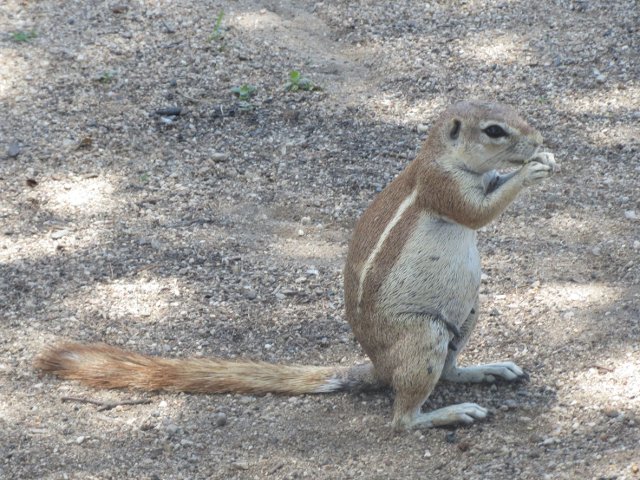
<point x="485" y="136"/>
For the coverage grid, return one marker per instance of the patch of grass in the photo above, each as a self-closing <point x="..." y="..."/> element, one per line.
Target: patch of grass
<point x="23" y="36"/>
<point x="107" y="76"/>
<point x="244" y="92"/>
<point x="217" y="27"/>
<point x="245" y="106"/>
<point x="297" y="82"/>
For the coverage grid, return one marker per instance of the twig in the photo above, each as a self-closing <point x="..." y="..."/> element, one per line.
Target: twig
<point x="194" y="100"/>
<point x="276" y="468"/>
<point x="105" y="405"/>
<point x="600" y="367"/>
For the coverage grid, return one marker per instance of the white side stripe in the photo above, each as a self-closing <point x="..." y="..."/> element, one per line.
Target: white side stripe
<point x="406" y="203"/>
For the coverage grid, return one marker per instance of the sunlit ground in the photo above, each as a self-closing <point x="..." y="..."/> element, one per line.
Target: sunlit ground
<point x="140" y="298"/>
<point x="491" y="47"/>
<point x="305" y="248"/>
<point x="65" y="200"/>
<point x="13" y="72"/>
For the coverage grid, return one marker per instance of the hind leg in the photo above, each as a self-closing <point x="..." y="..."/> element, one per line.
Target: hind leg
<point x="417" y="360"/>
<point x="477" y="373"/>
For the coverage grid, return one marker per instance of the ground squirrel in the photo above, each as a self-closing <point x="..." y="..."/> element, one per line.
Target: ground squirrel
<point x="411" y="282"/>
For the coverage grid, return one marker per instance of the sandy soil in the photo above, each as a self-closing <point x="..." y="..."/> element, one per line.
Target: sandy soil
<point x="223" y="230"/>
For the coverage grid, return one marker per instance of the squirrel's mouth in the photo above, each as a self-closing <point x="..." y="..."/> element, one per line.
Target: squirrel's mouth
<point x="519" y="161"/>
<point x="522" y="160"/>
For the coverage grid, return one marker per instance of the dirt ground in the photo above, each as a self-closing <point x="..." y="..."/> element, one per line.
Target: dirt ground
<point x="223" y="230"/>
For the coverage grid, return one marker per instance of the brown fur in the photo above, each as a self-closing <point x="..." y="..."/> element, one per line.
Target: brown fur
<point x="366" y="234"/>
<point x="104" y="366"/>
<point x="392" y="248"/>
<point x="411" y="295"/>
<point x="447" y="196"/>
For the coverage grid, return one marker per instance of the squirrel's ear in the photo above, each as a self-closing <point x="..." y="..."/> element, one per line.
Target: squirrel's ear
<point x="454" y="129"/>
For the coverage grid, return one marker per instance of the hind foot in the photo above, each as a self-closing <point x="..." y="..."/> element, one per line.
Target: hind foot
<point x="486" y="373"/>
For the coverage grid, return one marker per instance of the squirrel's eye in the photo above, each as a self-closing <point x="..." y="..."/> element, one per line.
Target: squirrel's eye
<point x="495" y="131"/>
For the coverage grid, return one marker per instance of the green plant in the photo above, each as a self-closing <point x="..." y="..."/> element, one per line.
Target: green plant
<point x="298" y="82"/>
<point x="22" y="37"/>
<point x="245" y="106"/>
<point x="217" y="27"/>
<point x="106" y="76"/>
<point x="244" y="92"/>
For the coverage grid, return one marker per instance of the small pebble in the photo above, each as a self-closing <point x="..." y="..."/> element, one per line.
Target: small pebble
<point x="119" y="8"/>
<point x="549" y="441"/>
<point x="59" y="234"/>
<point x="219" y="157"/>
<point x="536" y="438"/>
<point x="155" y="453"/>
<point x="146" y="426"/>
<point x="169" y="111"/>
<point x="14" y="150"/>
<point x="510" y="403"/>
<point x="240" y="465"/>
<point x="611" y="412"/>
<point x="630" y="215"/>
<point x="220" y="419"/>
<point x="464" y="446"/>
<point x="171" y="429"/>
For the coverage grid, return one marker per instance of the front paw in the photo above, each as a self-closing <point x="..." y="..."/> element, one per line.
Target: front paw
<point x="547" y="158"/>
<point x="534" y="172"/>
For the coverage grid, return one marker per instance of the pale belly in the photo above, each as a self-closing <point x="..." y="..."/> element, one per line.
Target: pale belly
<point x="438" y="271"/>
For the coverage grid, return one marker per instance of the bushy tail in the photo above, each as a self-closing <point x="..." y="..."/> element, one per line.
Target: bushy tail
<point x="103" y="366"/>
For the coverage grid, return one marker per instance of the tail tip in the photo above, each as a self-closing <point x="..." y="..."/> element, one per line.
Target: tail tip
<point x="332" y="384"/>
<point x="56" y="358"/>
